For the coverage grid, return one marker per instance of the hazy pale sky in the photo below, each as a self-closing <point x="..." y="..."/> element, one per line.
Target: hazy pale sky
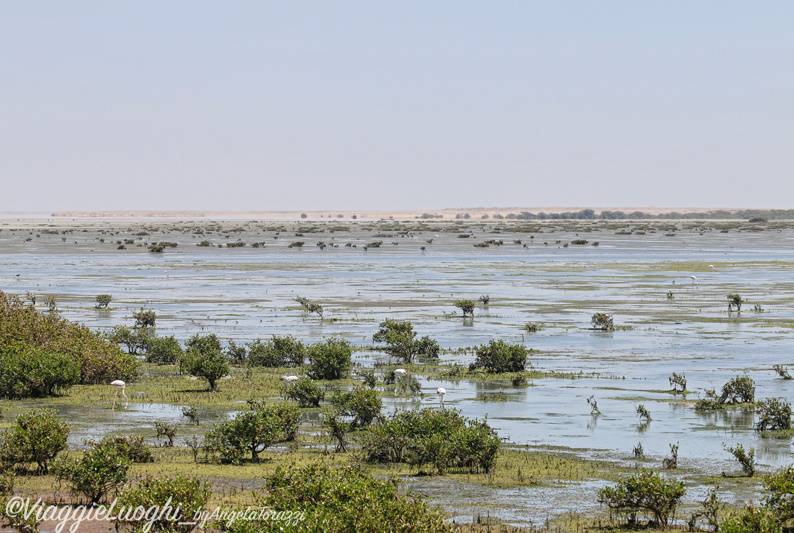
<point x="258" y="105"/>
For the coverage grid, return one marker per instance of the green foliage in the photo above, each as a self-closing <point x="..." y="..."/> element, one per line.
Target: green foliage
<point x="602" y="321"/>
<point x="277" y="352"/>
<point x="499" y="356"/>
<point x="103" y="300"/>
<point x="185" y="493"/>
<point x="773" y="413"/>
<point x="163" y="350"/>
<point x="745" y="458"/>
<point x="740" y="389"/>
<point x="643" y="413"/>
<point x="362" y="404"/>
<point x="27" y="372"/>
<point x="331" y="359"/>
<point x="646" y="491"/>
<point x="204" y="358"/>
<point x="136" y="340"/>
<point x="236" y="353"/>
<point x="466" y="306"/>
<point x="782" y="371"/>
<point x="442" y="438"/>
<point x="671" y="463"/>
<point x="22" y="330"/>
<point x="253" y="431"/>
<point x="711" y="402"/>
<point x="133" y="447"/>
<point x="401" y="344"/>
<point x="735" y="301"/>
<point x="750" y="520"/>
<point x="100" y="470"/>
<point x="145" y="318"/>
<point x="779" y="488"/>
<point x="35" y="437"/>
<point x="166" y="430"/>
<point x="343" y="500"/>
<point x="306" y="392"/>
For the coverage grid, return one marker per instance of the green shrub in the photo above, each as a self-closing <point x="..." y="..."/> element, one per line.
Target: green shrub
<point x="779" y="489"/>
<point x="133" y="447"/>
<point x="646" y="491"/>
<point x="740" y="389"/>
<point x="499" y="356"/>
<point x="277" y="352"/>
<point x="166" y="430"/>
<point x="773" y="413"/>
<point x="466" y="306"/>
<point x="308" y="306"/>
<point x="187" y="494"/>
<point x="163" y="350"/>
<point x="204" y="358"/>
<point x="103" y="300"/>
<point x="100" y="470"/>
<point x="253" y="431"/>
<point x="442" y="438"/>
<point x="401" y="344"/>
<point x="35" y="437"/>
<point x="344" y="500"/>
<point x="34" y="372"/>
<point x="23" y="329"/>
<point x="306" y="392"/>
<point x="145" y="318"/>
<point x="746" y="459"/>
<point x="135" y="340"/>
<point x="331" y="359"/>
<point x="734" y="300"/>
<point x="362" y="404"/>
<point x="236" y="353"/>
<point x="750" y="520"/>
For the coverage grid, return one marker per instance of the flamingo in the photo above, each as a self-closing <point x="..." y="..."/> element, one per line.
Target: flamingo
<point x="120" y="385"/>
<point x="399" y="373"/>
<point x="289" y="380"/>
<point x="441" y="393"/>
<point x="694" y="278"/>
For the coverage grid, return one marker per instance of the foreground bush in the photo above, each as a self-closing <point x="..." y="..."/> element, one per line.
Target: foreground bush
<point x="331" y="359"/>
<point x="644" y="492"/>
<point x="187" y="494"/>
<point x="306" y="392"/>
<point x="35" y="437"/>
<point x="740" y="389"/>
<point x="204" y="358"/>
<point x="163" y="350"/>
<point x="773" y="413"/>
<point x="499" y="356"/>
<point x="24" y="330"/>
<point x="100" y="470"/>
<point x="343" y="500"/>
<point x="253" y="431"/>
<point x="444" y="439"/>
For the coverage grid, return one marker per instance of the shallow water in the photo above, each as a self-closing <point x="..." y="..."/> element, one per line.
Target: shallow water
<point x="246" y="293"/>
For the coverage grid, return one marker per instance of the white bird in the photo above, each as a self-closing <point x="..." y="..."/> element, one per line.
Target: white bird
<point x="441" y="393"/>
<point x="289" y="380"/>
<point x="399" y="374"/>
<point x="120" y="385"/>
<point x="711" y="266"/>
<point x="694" y="278"/>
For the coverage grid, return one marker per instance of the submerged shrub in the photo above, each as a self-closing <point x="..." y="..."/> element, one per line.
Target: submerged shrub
<point x="773" y="413"/>
<point x="499" y="357"/>
<point x="745" y="458"/>
<point x="163" y="350"/>
<point x="466" y="306"/>
<point x="602" y="321"/>
<point x="401" y="344"/>
<point x="646" y="491"/>
<point x="740" y="389"/>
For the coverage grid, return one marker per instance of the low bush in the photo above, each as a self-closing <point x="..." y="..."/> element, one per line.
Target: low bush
<point x="35" y="437"/>
<point x="331" y="359"/>
<point x="362" y="404"/>
<point x="204" y="358"/>
<point x="133" y="447"/>
<point x="466" y="306"/>
<point x="745" y="458"/>
<point x="277" y="352"/>
<point x="499" y="357"/>
<point x="646" y="491"/>
<point x="740" y="389"/>
<point x="135" y="340"/>
<point x="401" y="343"/>
<point x="253" y="431"/>
<point x="100" y="470"/>
<point x="35" y="373"/>
<point x="306" y="392"/>
<point x="442" y="438"/>
<point x="185" y="494"/>
<point x="773" y="413"/>
<point x="602" y="321"/>
<point x="163" y="350"/>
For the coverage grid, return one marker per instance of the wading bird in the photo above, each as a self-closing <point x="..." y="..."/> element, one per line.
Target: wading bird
<point x="441" y="393"/>
<point x="119" y="385"/>
<point x="399" y="374"/>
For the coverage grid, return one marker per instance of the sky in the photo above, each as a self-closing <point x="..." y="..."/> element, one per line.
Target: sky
<point x="346" y="105"/>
